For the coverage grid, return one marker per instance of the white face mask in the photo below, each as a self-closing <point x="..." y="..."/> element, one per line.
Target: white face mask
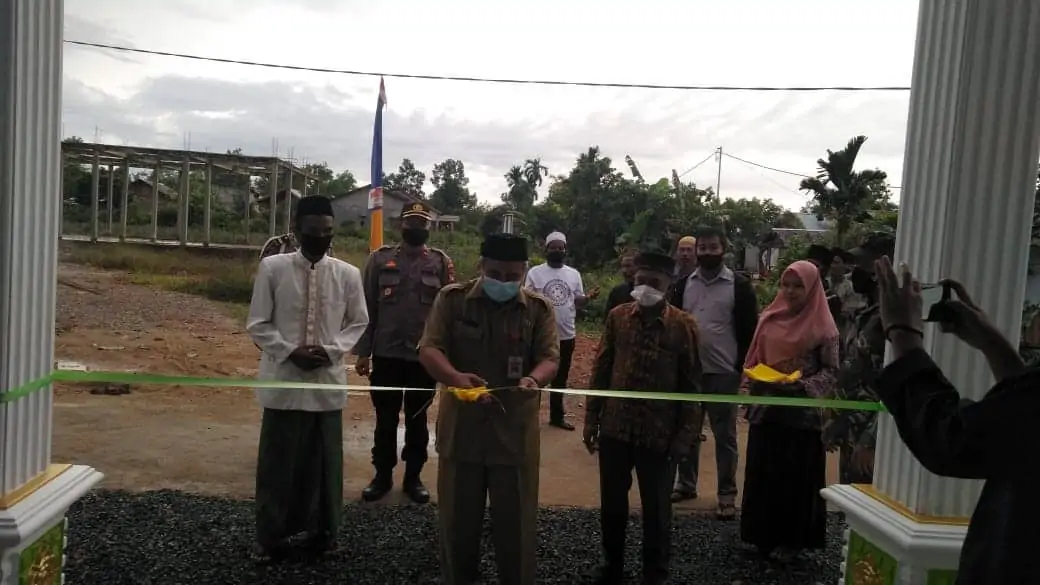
<point x="647" y="296"/>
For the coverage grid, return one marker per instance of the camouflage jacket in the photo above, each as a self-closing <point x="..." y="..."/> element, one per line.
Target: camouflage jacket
<point x="863" y="358"/>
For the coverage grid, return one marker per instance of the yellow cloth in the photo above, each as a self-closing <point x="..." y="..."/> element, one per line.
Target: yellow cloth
<point x="764" y="373"/>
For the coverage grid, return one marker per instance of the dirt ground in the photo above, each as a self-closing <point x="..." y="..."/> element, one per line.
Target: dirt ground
<point x="203" y="440"/>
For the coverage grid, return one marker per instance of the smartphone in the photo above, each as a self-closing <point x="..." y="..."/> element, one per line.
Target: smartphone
<point x="934" y="298"/>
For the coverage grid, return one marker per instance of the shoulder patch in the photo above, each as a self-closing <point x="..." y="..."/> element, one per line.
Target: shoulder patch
<point x="537" y="297"/>
<point x="456" y="287"/>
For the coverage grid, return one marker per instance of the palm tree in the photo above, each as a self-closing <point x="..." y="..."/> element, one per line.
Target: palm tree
<point x="520" y="193"/>
<point x="841" y="193"/>
<point x="534" y="171"/>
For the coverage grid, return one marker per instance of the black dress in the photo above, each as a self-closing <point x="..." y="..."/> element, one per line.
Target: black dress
<point x="786" y="467"/>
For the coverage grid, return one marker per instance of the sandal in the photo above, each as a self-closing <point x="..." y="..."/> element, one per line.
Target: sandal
<point x="726" y="512"/>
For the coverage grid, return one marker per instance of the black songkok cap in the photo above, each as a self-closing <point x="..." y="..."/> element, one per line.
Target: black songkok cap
<point x="504" y="248"/>
<point x="314" y="205"/>
<point x="822" y="255"/>
<point x="655" y="261"/>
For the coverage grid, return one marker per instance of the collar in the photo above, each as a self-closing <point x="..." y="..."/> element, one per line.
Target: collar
<point x="477" y="292"/>
<point x="299" y="258"/>
<point x="399" y="248"/>
<point x="725" y="273"/>
<point x="637" y="313"/>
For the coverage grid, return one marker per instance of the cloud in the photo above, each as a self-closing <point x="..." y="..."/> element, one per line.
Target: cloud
<point x="81" y="29"/>
<point x="323" y="122"/>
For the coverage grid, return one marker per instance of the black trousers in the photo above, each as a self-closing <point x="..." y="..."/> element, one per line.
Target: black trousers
<point x="654" y="473"/>
<point x="560" y="381"/>
<point x="404" y="374"/>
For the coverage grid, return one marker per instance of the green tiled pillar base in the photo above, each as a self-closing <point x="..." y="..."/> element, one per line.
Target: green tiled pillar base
<point x="866" y="564"/>
<point x="42" y="561"/>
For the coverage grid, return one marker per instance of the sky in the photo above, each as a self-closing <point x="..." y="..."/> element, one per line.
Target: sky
<point x="125" y="98"/>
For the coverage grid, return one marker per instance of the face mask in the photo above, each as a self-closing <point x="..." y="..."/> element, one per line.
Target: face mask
<point x="555" y="257"/>
<point x="499" y="291"/>
<point x="315" y="246"/>
<point x="647" y="296"/>
<point x="415" y="236"/>
<point x="709" y="261"/>
<point x="862" y="281"/>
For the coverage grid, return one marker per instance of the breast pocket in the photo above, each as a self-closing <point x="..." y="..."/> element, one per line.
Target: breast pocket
<point x="467" y="333"/>
<point x="389" y="286"/>
<point x="430" y="286"/>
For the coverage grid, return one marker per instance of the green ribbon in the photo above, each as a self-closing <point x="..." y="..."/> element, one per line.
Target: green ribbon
<point x="165" y="380"/>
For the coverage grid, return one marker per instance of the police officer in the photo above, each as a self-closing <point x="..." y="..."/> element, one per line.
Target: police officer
<point x="401" y="283"/>
<point x="490" y="332"/>
<point x="854" y="432"/>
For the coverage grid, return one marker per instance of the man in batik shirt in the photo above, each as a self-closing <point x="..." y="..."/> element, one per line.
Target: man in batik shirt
<point x="648" y="346"/>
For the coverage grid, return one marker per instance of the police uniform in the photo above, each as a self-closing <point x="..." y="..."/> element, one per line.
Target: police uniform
<point x="401" y="284"/>
<point x="490" y="449"/>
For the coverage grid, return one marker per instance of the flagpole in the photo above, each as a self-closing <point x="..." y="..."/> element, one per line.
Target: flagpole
<point x="375" y="195"/>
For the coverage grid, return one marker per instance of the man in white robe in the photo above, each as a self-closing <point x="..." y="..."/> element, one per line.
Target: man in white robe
<point x="307" y="312"/>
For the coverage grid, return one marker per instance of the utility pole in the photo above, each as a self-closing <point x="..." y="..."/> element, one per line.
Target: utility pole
<point x="718" y="179"/>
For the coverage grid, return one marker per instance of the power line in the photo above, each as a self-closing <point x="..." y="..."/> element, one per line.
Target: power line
<point x="761" y="166"/>
<point x="840" y="88"/>
<point x="770" y="179"/>
<point x="776" y="170"/>
<point x="691" y="169"/>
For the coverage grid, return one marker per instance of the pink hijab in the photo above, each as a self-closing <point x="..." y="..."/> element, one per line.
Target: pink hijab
<point x="783" y="335"/>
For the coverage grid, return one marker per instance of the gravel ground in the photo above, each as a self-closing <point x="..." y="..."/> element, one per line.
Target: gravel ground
<point x="167" y="537"/>
<point x="128" y="307"/>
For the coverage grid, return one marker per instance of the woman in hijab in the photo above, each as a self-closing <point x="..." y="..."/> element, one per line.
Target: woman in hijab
<point x="782" y="510"/>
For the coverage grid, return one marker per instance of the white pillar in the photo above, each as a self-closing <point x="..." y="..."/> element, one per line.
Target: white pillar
<point x="969" y="179"/>
<point x="272" y="188"/>
<point x="124" y="200"/>
<point x="34" y="493"/>
<point x="208" y="217"/>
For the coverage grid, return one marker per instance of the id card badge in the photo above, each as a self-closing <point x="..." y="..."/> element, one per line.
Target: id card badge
<point x="515" y="369"/>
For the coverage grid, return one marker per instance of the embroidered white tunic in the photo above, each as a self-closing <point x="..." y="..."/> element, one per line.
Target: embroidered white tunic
<point x="298" y="303"/>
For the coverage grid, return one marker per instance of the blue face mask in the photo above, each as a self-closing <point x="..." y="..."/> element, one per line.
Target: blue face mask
<point x="499" y="291"/>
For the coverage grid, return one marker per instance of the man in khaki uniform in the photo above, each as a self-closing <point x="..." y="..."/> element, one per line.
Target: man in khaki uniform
<point x="401" y="283"/>
<point x="490" y="332"/>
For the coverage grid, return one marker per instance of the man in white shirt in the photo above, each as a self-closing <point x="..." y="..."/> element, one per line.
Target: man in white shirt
<point x="562" y="286"/>
<point x="307" y="312"/>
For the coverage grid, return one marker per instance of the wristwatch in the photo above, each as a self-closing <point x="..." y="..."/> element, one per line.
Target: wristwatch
<point x="533" y="379"/>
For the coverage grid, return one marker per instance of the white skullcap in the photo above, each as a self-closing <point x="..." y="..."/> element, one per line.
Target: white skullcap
<point x="555" y="237"/>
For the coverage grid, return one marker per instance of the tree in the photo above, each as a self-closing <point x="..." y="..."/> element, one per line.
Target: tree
<point x="789" y="220"/>
<point x="522" y="194"/>
<point x="451" y="193"/>
<point x="533" y="173"/>
<point x="407" y="179"/>
<point x="842" y="194"/>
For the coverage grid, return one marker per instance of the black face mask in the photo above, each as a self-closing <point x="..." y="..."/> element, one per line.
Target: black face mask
<point x="315" y="246"/>
<point x="555" y="257"/>
<point x="862" y="281"/>
<point x="415" y="236"/>
<point x="709" y="261"/>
